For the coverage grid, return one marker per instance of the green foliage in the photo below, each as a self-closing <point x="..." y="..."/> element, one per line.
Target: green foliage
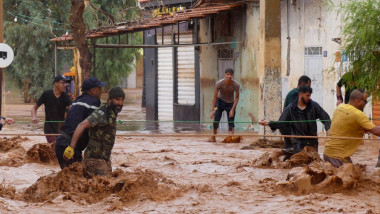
<point x="41" y="20"/>
<point x="361" y="36"/>
<point x="30" y="39"/>
<point x="113" y="65"/>
<point x="121" y="10"/>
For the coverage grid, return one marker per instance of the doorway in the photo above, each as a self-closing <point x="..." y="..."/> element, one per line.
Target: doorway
<point x="313" y="69"/>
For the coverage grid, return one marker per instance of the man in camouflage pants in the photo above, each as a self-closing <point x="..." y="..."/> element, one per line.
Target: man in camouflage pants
<point x="102" y="125"/>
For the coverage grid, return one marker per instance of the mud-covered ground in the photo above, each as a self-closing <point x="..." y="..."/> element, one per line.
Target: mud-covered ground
<point x="153" y="174"/>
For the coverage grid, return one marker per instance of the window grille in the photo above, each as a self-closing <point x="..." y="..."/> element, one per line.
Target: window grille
<point x="225" y="54"/>
<point x="313" y="51"/>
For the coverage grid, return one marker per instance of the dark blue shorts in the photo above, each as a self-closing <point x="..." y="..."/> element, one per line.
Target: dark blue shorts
<point x="223" y="106"/>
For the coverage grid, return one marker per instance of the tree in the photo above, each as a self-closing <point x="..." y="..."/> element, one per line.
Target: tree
<point x="113" y="65"/>
<point x="79" y="33"/>
<point x="33" y="65"/>
<point x="361" y="37"/>
<point x="39" y="21"/>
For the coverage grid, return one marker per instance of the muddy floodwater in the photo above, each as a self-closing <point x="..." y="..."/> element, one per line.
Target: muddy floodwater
<point x="178" y="174"/>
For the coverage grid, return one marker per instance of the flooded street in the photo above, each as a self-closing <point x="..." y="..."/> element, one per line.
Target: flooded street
<point x="155" y="174"/>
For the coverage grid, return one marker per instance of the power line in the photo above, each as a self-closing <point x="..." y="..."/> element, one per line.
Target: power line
<point x="38" y="23"/>
<point x="19" y="15"/>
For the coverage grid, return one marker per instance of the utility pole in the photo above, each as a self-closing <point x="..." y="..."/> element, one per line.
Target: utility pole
<point x="2" y="74"/>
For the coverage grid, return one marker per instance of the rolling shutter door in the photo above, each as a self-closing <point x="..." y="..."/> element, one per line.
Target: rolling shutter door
<point x="186" y="73"/>
<point x="165" y="80"/>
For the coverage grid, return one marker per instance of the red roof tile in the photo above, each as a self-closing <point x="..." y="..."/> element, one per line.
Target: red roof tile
<point x="133" y="26"/>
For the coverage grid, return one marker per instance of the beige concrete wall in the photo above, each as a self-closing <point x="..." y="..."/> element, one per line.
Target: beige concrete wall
<point x="250" y="74"/>
<point x="311" y="23"/>
<point x="208" y="71"/>
<point x="243" y="27"/>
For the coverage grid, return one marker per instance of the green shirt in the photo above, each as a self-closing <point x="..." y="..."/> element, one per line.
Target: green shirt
<point x="290" y="97"/>
<point x="102" y="133"/>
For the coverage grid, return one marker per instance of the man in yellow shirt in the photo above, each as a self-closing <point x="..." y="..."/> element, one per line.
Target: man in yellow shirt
<point x="348" y="121"/>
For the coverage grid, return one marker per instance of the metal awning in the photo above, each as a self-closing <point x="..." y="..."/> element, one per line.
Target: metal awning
<point x="66" y="41"/>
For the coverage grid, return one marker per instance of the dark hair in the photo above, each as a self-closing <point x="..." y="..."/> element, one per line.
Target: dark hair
<point x="229" y="70"/>
<point x="305" y="89"/>
<point x="303" y="80"/>
<point x="116" y="92"/>
<point x="357" y="94"/>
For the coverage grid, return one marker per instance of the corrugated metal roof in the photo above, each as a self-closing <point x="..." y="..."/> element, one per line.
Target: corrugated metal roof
<point x="134" y="26"/>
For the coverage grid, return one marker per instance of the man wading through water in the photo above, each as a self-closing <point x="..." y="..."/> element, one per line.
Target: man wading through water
<point x="82" y="107"/>
<point x="102" y="125"/>
<point x="290" y="97"/>
<point x="349" y="121"/>
<point x="304" y="112"/>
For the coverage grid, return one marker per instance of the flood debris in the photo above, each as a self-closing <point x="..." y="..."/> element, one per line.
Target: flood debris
<point x="127" y="187"/>
<point x="277" y="159"/>
<point x="309" y="173"/>
<point x="264" y="143"/>
<point x="16" y="155"/>
<point x="323" y="176"/>
<point x="232" y="139"/>
<point x="42" y="152"/>
<point x="306" y="156"/>
<point x="7" y="144"/>
<point x="8" y="191"/>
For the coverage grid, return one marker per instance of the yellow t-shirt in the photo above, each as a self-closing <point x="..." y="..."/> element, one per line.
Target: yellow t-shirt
<point x="347" y="121"/>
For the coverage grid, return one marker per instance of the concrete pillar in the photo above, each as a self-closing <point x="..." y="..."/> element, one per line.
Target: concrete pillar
<point x="270" y="59"/>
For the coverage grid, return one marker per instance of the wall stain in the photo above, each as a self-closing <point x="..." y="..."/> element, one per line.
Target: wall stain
<point x="207" y="82"/>
<point x="250" y="82"/>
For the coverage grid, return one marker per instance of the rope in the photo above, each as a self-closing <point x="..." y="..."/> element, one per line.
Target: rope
<point x="196" y="121"/>
<point x="179" y="121"/>
<point x="203" y="135"/>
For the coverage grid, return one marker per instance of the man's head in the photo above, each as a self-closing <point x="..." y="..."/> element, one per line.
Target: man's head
<point x="304" y="94"/>
<point x="358" y="98"/>
<point x="228" y="74"/>
<point x="304" y="81"/>
<point x="60" y="83"/>
<point x="116" y="98"/>
<point x="92" y="86"/>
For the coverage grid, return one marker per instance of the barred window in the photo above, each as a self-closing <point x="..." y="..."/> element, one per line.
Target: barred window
<point x="225" y="54"/>
<point x="313" y="51"/>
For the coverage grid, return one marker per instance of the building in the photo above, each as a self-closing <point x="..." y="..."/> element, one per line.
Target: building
<point x="269" y="43"/>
